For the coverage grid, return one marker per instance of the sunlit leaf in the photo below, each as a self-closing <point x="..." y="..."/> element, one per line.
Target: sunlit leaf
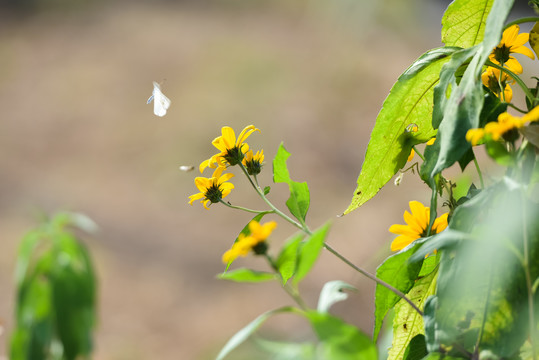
<point x="247" y="275"/>
<point x="407" y="323"/>
<point x="408" y="103"/>
<point x="463" y="23"/>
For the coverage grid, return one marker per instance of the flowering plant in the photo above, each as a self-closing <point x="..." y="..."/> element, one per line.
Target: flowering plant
<point x="463" y="281"/>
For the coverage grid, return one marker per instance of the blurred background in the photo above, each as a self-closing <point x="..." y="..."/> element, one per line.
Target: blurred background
<point x="76" y="134"/>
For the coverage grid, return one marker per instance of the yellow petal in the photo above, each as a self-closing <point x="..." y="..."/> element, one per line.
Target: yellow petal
<point x="420" y="212"/>
<point x="411" y="156"/>
<point x="228" y="137"/>
<point x="524" y="51"/>
<point x="195" y="197"/>
<point x="509" y="35"/>
<point x="402" y="230"/>
<point x="533" y="115"/>
<point x="440" y="223"/>
<point x="401" y="242"/>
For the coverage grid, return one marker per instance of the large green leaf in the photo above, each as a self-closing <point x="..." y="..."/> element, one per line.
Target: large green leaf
<point x="461" y="111"/>
<point x="340" y="340"/>
<point x="409" y="104"/>
<point x="398" y="272"/>
<point x="288" y="258"/>
<point x="463" y="24"/>
<point x="407" y="322"/>
<point x="482" y="293"/>
<point x="299" y="200"/>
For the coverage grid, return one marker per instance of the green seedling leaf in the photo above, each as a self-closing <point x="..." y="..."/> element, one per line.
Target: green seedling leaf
<point x="247" y="276"/>
<point x="331" y="293"/>
<point x="407" y="322"/>
<point x="267" y="190"/>
<point x="339" y="340"/>
<point x="409" y="104"/>
<point x="309" y="251"/>
<point x="396" y="271"/>
<point x="288" y="258"/>
<point x="463" y="23"/>
<point x="299" y="200"/>
<point x="248" y="330"/>
<point x="461" y="111"/>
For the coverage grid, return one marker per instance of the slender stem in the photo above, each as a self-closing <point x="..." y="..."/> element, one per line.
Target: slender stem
<point x="479" y="172"/>
<point x="374" y="278"/>
<point x="244" y="208"/>
<point x="418" y="153"/>
<point x="517" y="108"/>
<point x="522" y="20"/>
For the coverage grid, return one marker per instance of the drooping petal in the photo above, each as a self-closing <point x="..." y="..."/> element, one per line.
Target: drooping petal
<point x="195" y="197"/>
<point x="245" y="134"/>
<point x="524" y="51"/>
<point x="402" y="230"/>
<point x="440" y="223"/>
<point x="513" y="65"/>
<point x="519" y="41"/>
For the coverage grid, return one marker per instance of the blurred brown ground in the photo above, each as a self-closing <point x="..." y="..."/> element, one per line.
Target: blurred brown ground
<point x="76" y="134"/>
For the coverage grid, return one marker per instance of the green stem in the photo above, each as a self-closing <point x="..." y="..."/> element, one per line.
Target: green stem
<point x="418" y="153"/>
<point x="244" y="208"/>
<point x="519" y="81"/>
<point x="374" y="278"/>
<point x="516" y="108"/>
<point x="522" y="20"/>
<point x="479" y="172"/>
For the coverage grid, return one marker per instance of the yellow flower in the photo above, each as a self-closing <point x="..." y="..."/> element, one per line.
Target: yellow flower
<point x="495" y="80"/>
<point x="416" y="226"/>
<point x="506" y="122"/>
<point x="253" y="162"/>
<point x="213" y="189"/>
<point x="254" y="241"/>
<point x="512" y="43"/>
<point x="473" y="136"/>
<point x="231" y="149"/>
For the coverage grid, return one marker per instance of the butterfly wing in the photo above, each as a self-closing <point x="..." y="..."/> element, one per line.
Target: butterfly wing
<point x="161" y="103"/>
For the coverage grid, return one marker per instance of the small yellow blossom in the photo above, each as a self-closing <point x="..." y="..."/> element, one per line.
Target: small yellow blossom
<point x="253" y="162"/>
<point x="254" y="241"/>
<point x="213" y="189"/>
<point x="512" y="43"/>
<point x="231" y="149"/>
<point x="416" y="226"/>
<point x="495" y="80"/>
<point x="506" y="122"/>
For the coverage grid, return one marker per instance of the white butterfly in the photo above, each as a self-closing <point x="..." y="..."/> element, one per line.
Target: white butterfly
<point x="161" y="103"/>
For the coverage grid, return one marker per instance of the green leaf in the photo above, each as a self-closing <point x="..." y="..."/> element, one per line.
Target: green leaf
<point x="287" y="350"/>
<point x="408" y="103"/>
<point x="331" y="293"/>
<point x="309" y="251"/>
<point x="463" y="23"/>
<point x="417" y="348"/>
<point x="462" y="110"/>
<point x="407" y="323"/>
<point x="287" y="261"/>
<point x="267" y="190"/>
<point x="248" y="330"/>
<point x="339" y="340"/>
<point x="247" y="275"/>
<point x="534" y="38"/>
<point x="299" y="200"/>
<point x="396" y="271"/>
<point x="497" y="151"/>
<point x="482" y="294"/>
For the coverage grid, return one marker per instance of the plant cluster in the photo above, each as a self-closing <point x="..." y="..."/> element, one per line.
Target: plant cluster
<point x="463" y="281"/>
